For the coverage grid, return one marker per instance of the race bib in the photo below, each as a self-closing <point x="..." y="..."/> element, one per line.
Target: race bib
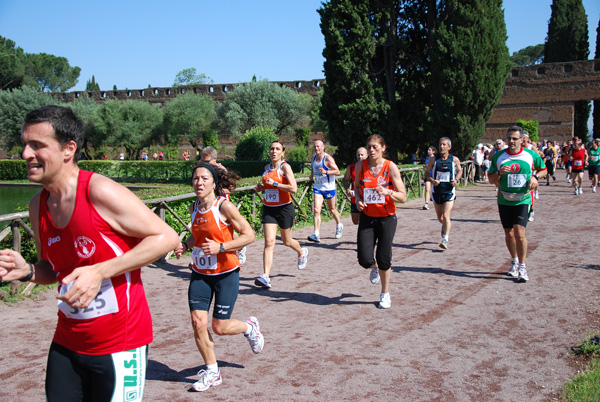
<point x="578" y="163"/>
<point x="595" y="157"/>
<point x="272" y="195"/>
<point x="517" y="180"/>
<point x="203" y="261"/>
<point x="320" y="179"/>
<point x="373" y="197"/>
<point x="104" y="303"/>
<point x="443" y="177"/>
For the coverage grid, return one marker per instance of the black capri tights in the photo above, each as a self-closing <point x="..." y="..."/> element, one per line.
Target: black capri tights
<point x="380" y="231"/>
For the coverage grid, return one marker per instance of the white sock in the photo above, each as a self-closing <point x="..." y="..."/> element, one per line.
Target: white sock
<point x="317" y="233"/>
<point x="522" y="265"/>
<point x="213" y="367"/>
<point x="249" y="330"/>
<point x="445" y="237"/>
<point x="515" y="260"/>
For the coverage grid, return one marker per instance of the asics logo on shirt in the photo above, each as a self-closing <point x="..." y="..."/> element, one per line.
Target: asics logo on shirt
<point x="52" y="240"/>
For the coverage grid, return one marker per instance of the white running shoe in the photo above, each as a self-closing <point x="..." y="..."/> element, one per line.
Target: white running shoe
<point x="242" y="255"/>
<point x="255" y="338"/>
<point x="385" y="301"/>
<point x="207" y="379"/>
<point x="514" y="270"/>
<point x="302" y="260"/>
<point x="580" y="190"/>
<point x="576" y="192"/>
<point x="593" y="189"/>
<point x="536" y="195"/>
<point x="444" y="244"/>
<point x="522" y="274"/>
<point x="374" y="275"/>
<point x="531" y="216"/>
<point x="426" y="206"/>
<point x="339" y="230"/>
<point x="263" y="281"/>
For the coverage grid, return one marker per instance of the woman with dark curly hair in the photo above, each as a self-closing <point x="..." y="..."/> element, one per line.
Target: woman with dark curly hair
<point x="215" y="267"/>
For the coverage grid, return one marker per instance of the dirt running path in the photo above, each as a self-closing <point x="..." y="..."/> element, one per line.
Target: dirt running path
<point x="458" y="329"/>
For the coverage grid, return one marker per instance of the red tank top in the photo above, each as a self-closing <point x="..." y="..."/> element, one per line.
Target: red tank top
<point x="578" y="158"/>
<point x="209" y="225"/>
<point x="275" y="197"/>
<point x="376" y="205"/>
<point x="119" y="318"/>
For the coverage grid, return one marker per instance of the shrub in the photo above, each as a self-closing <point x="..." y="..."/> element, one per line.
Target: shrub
<point x="298" y="153"/>
<point x="210" y="137"/>
<point x="254" y="144"/>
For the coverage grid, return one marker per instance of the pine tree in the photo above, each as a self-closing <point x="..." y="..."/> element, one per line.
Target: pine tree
<point x="91" y="85"/>
<point x="568" y="41"/>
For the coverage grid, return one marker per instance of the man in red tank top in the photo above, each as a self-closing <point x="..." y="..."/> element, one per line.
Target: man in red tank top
<point x="92" y="236"/>
<point x="579" y="158"/>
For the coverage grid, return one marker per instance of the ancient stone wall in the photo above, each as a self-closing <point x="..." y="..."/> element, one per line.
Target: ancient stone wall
<point x="546" y="93"/>
<point x="162" y="95"/>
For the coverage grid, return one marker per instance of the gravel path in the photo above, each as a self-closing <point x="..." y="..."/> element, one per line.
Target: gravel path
<point x="459" y="329"/>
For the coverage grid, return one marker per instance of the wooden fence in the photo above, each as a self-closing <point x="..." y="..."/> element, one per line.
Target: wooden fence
<point x="413" y="180"/>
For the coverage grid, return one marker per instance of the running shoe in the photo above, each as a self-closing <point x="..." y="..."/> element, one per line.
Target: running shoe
<point x="548" y="183"/>
<point x="568" y="180"/>
<point x="593" y="189"/>
<point x="580" y="190"/>
<point x="263" y="281"/>
<point x="242" y="255"/>
<point x="339" y="230"/>
<point x="207" y="379"/>
<point x="315" y="238"/>
<point x="374" y="275"/>
<point x="385" y="301"/>
<point x="255" y="338"/>
<point x="444" y="244"/>
<point x="536" y="195"/>
<point x="426" y="206"/>
<point x="576" y="192"/>
<point x="522" y="274"/>
<point x="514" y="270"/>
<point x="302" y="260"/>
<point x="553" y="178"/>
<point x="531" y="216"/>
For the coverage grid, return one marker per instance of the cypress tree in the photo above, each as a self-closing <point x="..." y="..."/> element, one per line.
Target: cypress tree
<point x="568" y="41"/>
<point x="351" y="104"/>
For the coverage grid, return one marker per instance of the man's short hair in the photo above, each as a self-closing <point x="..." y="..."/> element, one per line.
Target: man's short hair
<point x="515" y="128"/>
<point x="66" y="125"/>
<point x="446" y="139"/>
<point x="210" y="152"/>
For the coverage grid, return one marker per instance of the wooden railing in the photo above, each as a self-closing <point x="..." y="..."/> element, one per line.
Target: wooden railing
<point x="413" y="180"/>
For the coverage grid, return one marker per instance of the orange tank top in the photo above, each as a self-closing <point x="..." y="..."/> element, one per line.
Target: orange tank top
<point x="376" y="205"/>
<point x="275" y="197"/>
<point x="210" y="224"/>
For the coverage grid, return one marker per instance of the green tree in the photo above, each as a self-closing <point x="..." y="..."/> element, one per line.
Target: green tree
<point x="469" y="66"/>
<point x="50" y="73"/>
<point x="567" y="40"/>
<point x="189" y="76"/>
<point x="262" y="103"/>
<point x="12" y="70"/>
<point x="14" y="105"/>
<point x="185" y="117"/>
<point x="411" y="70"/>
<point x="131" y="124"/>
<point x="92" y="85"/>
<point x="351" y="102"/>
<point x="532" y="127"/>
<point x="210" y="137"/>
<point x="254" y="144"/>
<point x="87" y="110"/>
<point x="528" y="56"/>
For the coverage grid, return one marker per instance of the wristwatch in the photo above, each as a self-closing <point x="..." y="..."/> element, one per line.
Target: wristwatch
<point x="275" y="184"/>
<point x="222" y="249"/>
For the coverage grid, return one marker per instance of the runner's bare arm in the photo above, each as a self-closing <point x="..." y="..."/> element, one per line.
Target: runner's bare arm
<point x="125" y="214"/>
<point x="333" y="167"/>
<point x="240" y="224"/>
<point x="399" y="195"/>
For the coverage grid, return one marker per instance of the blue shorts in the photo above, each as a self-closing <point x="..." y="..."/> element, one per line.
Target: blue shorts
<point x="224" y="288"/>
<point x="442" y="197"/>
<point x="327" y="194"/>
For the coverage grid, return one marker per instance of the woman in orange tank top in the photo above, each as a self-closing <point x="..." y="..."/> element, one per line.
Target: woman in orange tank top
<point x="379" y="187"/>
<point x="278" y="184"/>
<point x="215" y="272"/>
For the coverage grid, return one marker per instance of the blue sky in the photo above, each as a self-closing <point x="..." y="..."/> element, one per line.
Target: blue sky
<point x="133" y="44"/>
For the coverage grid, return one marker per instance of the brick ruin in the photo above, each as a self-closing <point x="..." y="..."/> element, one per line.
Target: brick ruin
<point x="542" y="92"/>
